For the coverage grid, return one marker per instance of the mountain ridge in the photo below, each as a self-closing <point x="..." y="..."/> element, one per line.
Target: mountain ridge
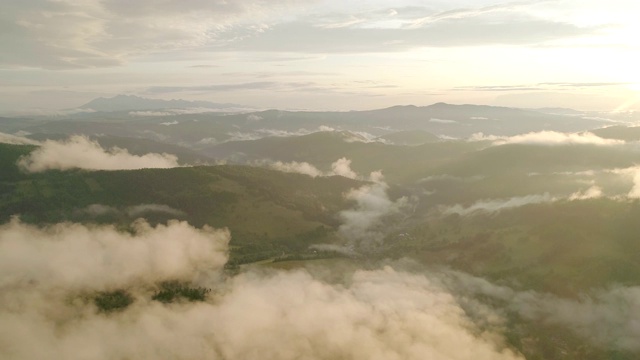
<point x="133" y="102"/>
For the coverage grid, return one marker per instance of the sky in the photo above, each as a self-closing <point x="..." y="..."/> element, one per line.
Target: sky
<point x="322" y="55"/>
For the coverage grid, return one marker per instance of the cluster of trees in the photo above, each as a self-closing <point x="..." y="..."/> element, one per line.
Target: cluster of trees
<point x="168" y="292"/>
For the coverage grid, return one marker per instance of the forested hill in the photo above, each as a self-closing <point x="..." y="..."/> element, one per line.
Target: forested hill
<point x="258" y="205"/>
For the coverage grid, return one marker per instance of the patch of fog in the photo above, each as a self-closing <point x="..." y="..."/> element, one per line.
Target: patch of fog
<point x="588" y="173"/>
<point x="95" y="210"/>
<point x="142" y="209"/>
<point x="83" y="153"/>
<point x="632" y="173"/>
<point x="347" y="136"/>
<point x="362" y="225"/>
<point x="291" y="167"/>
<point x="362" y="136"/>
<point x="496" y="205"/>
<point x="342" y="167"/>
<point x="442" y="121"/>
<point x="593" y="192"/>
<point x="607" y="317"/>
<point x="208" y="141"/>
<point x="169" y="123"/>
<point x="447" y="177"/>
<point x="156" y="135"/>
<point x="547" y="138"/>
<point x="187" y="111"/>
<point x="16" y="139"/>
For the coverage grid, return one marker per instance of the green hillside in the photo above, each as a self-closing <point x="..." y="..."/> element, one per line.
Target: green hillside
<point x="559" y="248"/>
<point x="268" y="212"/>
<point x="619" y="132"/>
<point x="410" y="137"/>
<point x="400" y="164"/>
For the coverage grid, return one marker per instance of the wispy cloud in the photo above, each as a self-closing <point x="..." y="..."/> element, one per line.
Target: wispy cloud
<point x="362" y="226"/>
<point x="473" y="32"/>
<point x="548" y="138"/>
<point x="16" y="140"/>
<point x="547" y="86"/>
<point x="496" y="205"/>
<point x="606" y="317"/>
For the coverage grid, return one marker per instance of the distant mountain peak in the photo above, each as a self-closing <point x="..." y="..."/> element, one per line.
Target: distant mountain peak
<point x="123" y="102"/>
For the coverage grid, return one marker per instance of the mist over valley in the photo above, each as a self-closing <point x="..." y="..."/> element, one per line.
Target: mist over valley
<point x="295" y="179"/>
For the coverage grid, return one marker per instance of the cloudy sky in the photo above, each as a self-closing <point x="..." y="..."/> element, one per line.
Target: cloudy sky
<point x="322" y="54"/>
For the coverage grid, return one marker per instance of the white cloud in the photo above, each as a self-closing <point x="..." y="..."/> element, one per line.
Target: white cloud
<point x="99" y="210"/>
<point x="361" y="136"/>
<point x="188" y="111"/>
<point x="442" y="121"/>
<point x="608" y="318"/>
<point x="81" y="152"/>
<point x="342" y="167"/>
<point x="71" y="257"/>
<point x="131" y="211"/>
<point x="632" y="173"/>
<point x="496" y="205"/>
<point x="16" y="140"/>
<point x="634" y="193"/>
<point x="262" y="133"/>
<point x="169" y="123"/>
<point x="593" y="192"/>
<point x="447" y="177"/>
<point x="295" y="167"/>
<point x="547" y="138"/>
<point x="362" y="225"/>
<point x="254" y="117"/>
<point x="142" y="209"/>
<point x="208" y="141"/>
<point x="605" y="317"/>
<point x="47" y="277"/>
<point x="102" y="33"/>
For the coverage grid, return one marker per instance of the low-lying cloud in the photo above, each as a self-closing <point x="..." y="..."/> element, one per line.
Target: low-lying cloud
<point x="95" y="210"/>
<point x="607" y="317"/>
<point x="74" y="257"/>
<point x="593" y="192"/>
<point x="342" y="167"/>
<point x="634" y="174"/>
<point x="295" y="167"/>
<point x="82" y="153"/>
<point x="548" y="138"/>
<point x="187" y="111"/>
<point x="495" y="205"/>
<point x="346" y="136"/>
<point x="47" y="273"/>
<point x="363" y="224"/>
<point x="16" y="140"/>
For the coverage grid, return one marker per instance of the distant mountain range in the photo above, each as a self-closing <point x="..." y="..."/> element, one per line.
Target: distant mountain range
<point x="132" y="102"/>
